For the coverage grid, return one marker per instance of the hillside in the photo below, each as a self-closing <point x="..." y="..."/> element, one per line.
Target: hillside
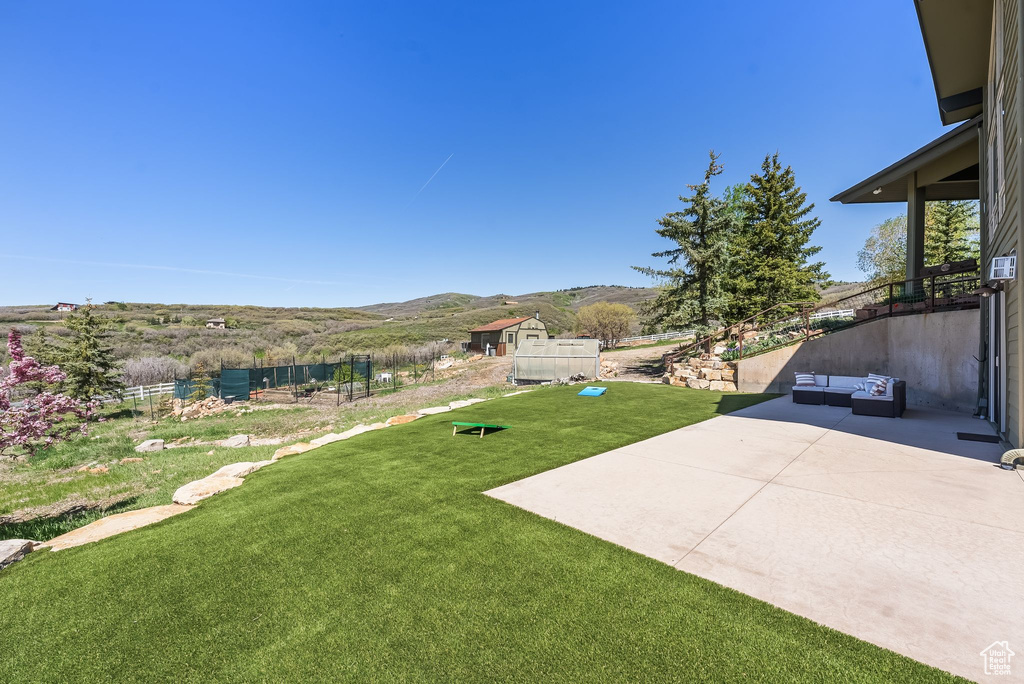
<point x="571" y="299"/>
<point x="176" y="333"/>
<point x="278" y="333"/>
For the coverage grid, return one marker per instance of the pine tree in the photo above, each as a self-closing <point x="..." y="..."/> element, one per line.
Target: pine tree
<point x="691" y="291"/>
<point x="951" y="228"/>
<point x="768" y="264"/>
<point x="90" y="366"/>
<point x="200" y="383"/>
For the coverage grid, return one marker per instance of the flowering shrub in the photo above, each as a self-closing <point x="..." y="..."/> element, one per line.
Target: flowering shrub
<point x="40" y="420"/>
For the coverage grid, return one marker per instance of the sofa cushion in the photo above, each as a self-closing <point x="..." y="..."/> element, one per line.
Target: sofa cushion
<point x="840" y="390"/>
<point x="805" y="379"/>
<point x="844" y="381"/>
<point x="808" y="388"/>
<point x="861" y="394"/>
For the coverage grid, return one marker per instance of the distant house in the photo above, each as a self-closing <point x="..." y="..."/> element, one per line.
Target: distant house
<point x="217" y="323"/>
<point x="504" y="335"/>
<point x="64" y="307"/>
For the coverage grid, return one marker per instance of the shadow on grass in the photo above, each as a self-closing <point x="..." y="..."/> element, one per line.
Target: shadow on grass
<point x="45" y="528"/>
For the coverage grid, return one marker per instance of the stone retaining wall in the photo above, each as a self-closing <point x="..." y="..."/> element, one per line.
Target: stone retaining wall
<point x="706" y="371"/>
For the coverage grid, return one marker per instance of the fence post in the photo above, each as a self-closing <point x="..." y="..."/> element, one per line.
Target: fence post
<point x="414" y="378"/>
<point x="741" y="343"/>
<point x="351" y="375"/>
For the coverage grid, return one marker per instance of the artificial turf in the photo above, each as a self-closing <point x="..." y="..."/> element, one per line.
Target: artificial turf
<point x="379" y="558"/>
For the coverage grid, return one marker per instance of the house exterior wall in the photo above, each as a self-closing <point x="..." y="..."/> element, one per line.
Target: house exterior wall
<point x="1001" y="190"/>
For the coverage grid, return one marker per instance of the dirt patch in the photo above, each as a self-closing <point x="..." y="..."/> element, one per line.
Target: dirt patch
<point x="639" y="364"/>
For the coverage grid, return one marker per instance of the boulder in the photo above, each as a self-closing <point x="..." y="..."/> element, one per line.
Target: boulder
<point x="728" y="386"/>
<point x="291" y="450"/>
<point x="697" y="383"/>
<point x="194" y="492"/>
<point x="236" y="441"/>
<point x="434" y="410"/>
<point x="131" y="460"/>
<point x="729" y="375"/>
<point x="113" y="524"/>
<point x="717" y="385"/>
<point x="13" y="550"/>
<point x="150" y="445"/>
<point x="402" y="420"/>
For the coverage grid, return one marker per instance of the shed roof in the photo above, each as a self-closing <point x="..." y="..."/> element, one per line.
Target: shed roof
<point x="500" y="324"/>
<point x="214" y="320"/>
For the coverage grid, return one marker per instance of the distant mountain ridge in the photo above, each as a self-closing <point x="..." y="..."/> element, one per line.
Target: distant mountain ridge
<point x="572" y="299"/>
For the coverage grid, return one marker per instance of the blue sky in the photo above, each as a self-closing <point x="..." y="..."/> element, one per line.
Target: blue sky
<point x="282" y="148"/>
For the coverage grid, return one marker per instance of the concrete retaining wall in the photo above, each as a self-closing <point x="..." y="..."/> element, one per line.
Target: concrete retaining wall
<point x="933" y="352"/>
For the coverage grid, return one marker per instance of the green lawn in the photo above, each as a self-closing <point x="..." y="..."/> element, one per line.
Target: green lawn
<point x="379" y="558"/>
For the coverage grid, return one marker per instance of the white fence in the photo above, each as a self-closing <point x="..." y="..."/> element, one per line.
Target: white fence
<point x="659" y="337"/>
<point x="843" y="313"/>
<point x="142" y="391"/>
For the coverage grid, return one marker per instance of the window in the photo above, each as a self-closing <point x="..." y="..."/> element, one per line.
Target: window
<point x="511" y="338"/>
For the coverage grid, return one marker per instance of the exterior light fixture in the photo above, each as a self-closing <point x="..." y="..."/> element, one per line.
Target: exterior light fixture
<point x="877" y="191"/>
<point x="985" y="291"/>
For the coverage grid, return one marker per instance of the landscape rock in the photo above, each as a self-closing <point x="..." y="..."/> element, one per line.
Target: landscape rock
<point x="433" y="410"/>
<point x="462" y="403"/>
<point x="291" y="450"/>
<point x="698" y="383"/>
<point x="196" y="491"/>
<point x="402" y="420"/>
<point x="150" y="445"/>
<point x="239" y="469"/>
<point x="329" y="438"/>
<point x="236" y="441"/>
<point x="13" y="550"/>
<point x="131" y="460"/>
<point x="717" y="385"/>
<point x="114" y="524"/>
<point x="211" y="452"/>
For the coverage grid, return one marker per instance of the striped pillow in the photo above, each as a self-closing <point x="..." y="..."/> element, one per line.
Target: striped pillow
<point x="804" y="379"/>
<point x="880" y="386"/>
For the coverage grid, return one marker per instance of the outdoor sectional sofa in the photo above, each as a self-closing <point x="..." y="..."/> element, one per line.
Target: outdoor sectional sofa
<point x="842" y="390"/>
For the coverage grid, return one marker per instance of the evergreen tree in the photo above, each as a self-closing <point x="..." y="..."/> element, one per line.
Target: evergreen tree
<point x="89" y="364"/>
<point x="200" y="383"/>
<point x="769" y="257"/>
<point x="691" y="291"/>
<point x="951" y="231"/>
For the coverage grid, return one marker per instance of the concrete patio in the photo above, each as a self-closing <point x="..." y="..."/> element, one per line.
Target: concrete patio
<point x="891" y="530"/>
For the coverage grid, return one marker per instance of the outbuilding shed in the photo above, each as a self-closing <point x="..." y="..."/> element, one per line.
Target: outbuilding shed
<point x="504" y="335"/>
<point x="547" y="360"/>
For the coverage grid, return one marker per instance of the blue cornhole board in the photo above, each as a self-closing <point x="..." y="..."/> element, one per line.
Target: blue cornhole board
<point x="592" y="392"/>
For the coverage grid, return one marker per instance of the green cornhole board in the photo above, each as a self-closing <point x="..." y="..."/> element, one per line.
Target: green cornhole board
<point x="483" y="427"/>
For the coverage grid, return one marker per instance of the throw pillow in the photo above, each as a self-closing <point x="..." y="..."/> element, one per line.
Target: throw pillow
<point x="878" y="389"/>
<point x="804" y="379"/>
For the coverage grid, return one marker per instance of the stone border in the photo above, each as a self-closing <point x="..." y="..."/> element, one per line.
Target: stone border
<point x="187" y="496"/>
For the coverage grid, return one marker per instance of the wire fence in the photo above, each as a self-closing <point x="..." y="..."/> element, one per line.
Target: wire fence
<point x="348" y="378"/>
